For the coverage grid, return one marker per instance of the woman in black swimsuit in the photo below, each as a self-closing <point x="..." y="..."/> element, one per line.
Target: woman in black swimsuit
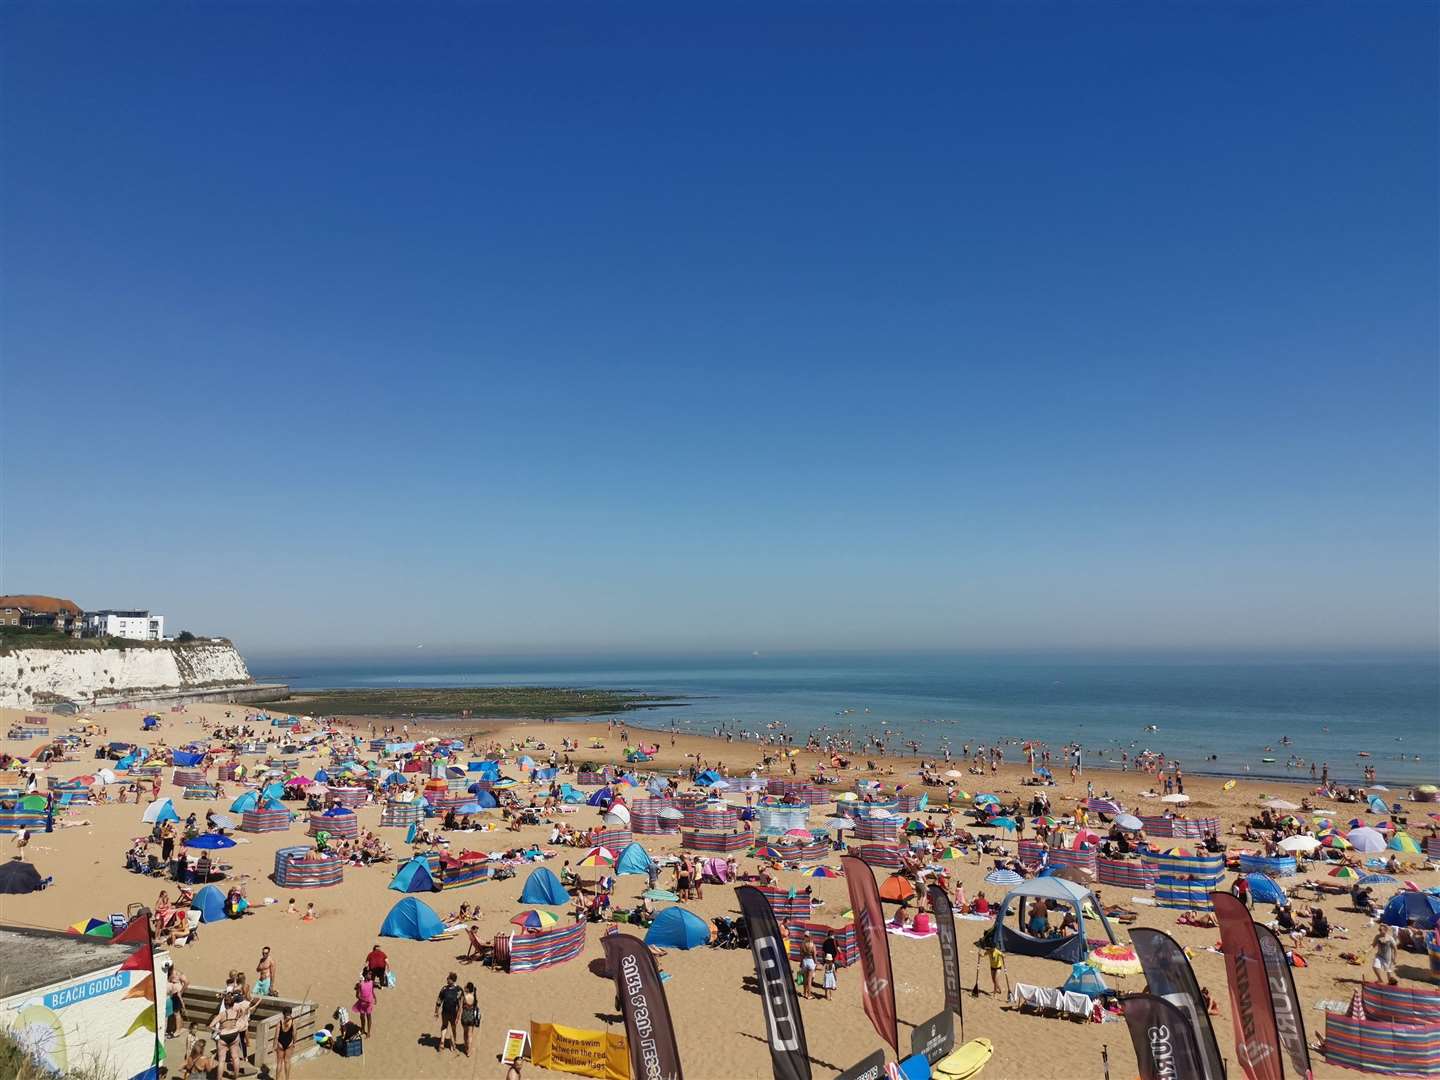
<point x="284" y="1037"/>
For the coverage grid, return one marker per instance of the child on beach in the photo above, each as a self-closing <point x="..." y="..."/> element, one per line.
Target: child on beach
<point x="828" y="983"/>
<point x="997" y="965"/>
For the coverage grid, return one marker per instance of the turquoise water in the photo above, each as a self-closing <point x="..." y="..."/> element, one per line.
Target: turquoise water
<point x="1330" y="708"/>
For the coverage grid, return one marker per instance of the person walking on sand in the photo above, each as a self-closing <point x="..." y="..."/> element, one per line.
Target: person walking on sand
<point x="1385" y="943"/>
<point x="22" y="841"/>
<point x="469" y="1014"/>
<point x="447" y="1011"/>
<point x="284" y="1040"/>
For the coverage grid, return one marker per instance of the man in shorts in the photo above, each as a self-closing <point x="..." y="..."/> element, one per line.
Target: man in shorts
<point x="447" y="1011"/>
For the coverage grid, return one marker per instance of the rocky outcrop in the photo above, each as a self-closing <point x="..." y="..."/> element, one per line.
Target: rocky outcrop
<point x="46" y="676"/>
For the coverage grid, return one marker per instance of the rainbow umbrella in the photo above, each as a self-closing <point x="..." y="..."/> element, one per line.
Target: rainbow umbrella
<point x="1406" y="843"/>
<point x="959" y="796"/>
<point x="598" y="856"/>
<point x="1047" y="821"/>
<point x="769" y="852"/>
<point x="93" y="928"/>
<point x="1336" y="841"/>
<point x="535" y="920"/>
<point x="1116" y="960"/>
<point x="1345" y="873"/>
<point x="1322" y="823"/>
<point x="1384" y="826"/>
<point x="819" y="871"/>
<point x="950" y="853"/>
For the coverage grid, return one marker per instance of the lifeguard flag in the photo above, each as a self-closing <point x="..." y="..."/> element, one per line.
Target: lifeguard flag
<point x="1289" y="1021"/>
<point x="877" y="991"/>
<point x="1257" y="1039"/>
<point x="949" y="953"/>
<point x="785" y="1028"/>
<point x="648" y="1029"/>
<point x="1170" y="976"/>
<point x="1164" y="1038"/>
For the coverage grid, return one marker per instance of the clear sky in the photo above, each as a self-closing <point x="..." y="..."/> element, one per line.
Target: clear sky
<point x="708" y="326"/>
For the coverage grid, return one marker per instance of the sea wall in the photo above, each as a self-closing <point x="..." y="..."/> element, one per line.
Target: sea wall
<point x="49" y="675"/>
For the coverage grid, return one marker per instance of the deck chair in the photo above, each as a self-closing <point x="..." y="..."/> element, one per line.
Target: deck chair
<point x="477" y="947"/>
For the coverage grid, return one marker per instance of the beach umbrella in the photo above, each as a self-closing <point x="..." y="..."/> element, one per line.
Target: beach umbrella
<point x="959" y="796"/>
<point x="1007" y="878"/>
<point x="803" y="834"/>
<point x="504" y="782"/>
<point x="879" y="813"/>
<point x="1406" y="843"/>
<point x="1116" y="960"/>
<point x="1345" y="873"/>
<point x="618" y="814"/>
<point x="1047" y="821"/>
<point x="659" y="894"/>
<point x="838" y="823"/>
<point x="1321" y="823"/>
<point x="1128" y="822"/>
<point x="598" y="856"/>
<point x="536" y="920"/>
<point x="1336" y="841"/>
<point x="1378" y="879"/>
<point x="1355" y="823"/>
<point x="39" y="802"/>
<point x="770" y="852"/>
<point x="896" y="889"/>
<point x="1363" y="839"/>
<point x="1005" y="823"/>
<point x="949" y="853"/>
<point x="210" y="842"/>
<point x="1102" y="806"/>
<point x="846" y="796"/>
<point x="93" y="928"/>
<point x="299" y="781"/>
<point x="819" y="871"/>
<point x="1176" y="798"/>
<point x="1378" y="787"/>
<point x="1280" y="804"/>
<point x="981" y="800"/>
<point x="1298" y="843"/>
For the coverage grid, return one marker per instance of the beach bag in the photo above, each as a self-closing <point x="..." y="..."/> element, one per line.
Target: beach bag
<point x="352" y="1047"/>
<point x="390" y="977"/>
<point x="470" y="1015"/>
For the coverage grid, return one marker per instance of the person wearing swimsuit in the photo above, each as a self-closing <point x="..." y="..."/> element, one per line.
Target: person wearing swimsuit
<point x="284" y="1039"/>
<point x="229" y="1025"/>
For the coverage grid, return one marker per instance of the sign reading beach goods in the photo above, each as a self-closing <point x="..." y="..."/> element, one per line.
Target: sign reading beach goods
<point x="870" y="1068"/>
<point x="578" y="1051"/>
<point x="73" y="995"/>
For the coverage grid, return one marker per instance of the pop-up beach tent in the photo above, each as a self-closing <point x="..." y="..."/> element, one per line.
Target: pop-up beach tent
<point x="677" y="928"/>
<point x="1409" y="906"/>
<point x="412" y="919"/>
<point x="1085" y="979"/>
<point x="544" y="888"/>
<point x="1055" y="891"/>
<point x="210" y="902"/>
<point x="414" y="876"/>
<point x="634" y="859"/>
<point x="158" y="811"/>
<point x="1266" y="890"/>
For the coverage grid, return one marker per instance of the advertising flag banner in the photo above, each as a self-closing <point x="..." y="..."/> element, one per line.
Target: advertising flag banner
<point x="784" y="1027"/>
<point x="949" y="952"/>
<point x="1164" y="1039"/>
<point x="1171" y="977"/>
<point x="1257" y="1040"/>
<point x="877" y="991"/>
<point x="648" y="1030"/>
<point x="1289" y="1021"/>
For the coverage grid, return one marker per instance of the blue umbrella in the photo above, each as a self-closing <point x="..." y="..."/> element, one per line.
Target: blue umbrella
<point x="210" y="842"/>
<point x="1378" y="879"/>
<point x="1008" y="878"/>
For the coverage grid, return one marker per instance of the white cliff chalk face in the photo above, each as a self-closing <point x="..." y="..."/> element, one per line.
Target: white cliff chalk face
<point x="33" y="677"/>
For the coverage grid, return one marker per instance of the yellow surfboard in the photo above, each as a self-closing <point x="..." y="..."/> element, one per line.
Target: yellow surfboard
<point x="966" y="1061"/>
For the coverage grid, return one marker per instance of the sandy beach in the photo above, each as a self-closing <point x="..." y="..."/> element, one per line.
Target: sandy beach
<point x="718" y="1020"/>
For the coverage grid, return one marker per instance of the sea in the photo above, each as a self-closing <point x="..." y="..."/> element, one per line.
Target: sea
<point x="1265" y="717"/>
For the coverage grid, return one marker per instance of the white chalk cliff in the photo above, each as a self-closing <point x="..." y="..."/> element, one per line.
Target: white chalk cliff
<point x="34" y="677"/>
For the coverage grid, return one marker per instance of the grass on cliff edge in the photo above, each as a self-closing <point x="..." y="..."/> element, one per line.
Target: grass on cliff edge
<point x="493" y="702"/>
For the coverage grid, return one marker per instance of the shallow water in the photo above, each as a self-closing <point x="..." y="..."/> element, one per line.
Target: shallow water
<point x="1236" y="709"/>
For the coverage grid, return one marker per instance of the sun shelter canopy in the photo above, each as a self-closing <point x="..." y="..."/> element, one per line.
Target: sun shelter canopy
<point x="414" y="876"/>
<point x="1057" y="894"/>
<point x="210" y="902"/>
<point x="1406" y="907"/>
<point x="677" y="928"/>
<point x="412" y="919"/>
<point x="634" y="859"/>
<point x="543" y="887"/>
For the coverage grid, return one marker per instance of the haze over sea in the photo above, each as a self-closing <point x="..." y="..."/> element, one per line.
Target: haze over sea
<point x="1331" y="707"/>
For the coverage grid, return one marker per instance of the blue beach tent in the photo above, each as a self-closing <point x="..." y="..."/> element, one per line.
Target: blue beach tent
<point x="603" y="797"/>
<point x="1409" y="906"/>
<point x="210" y="902"/>
<point x="677" y="928"/>
<point x="1084" y="979"/>
<point x="543" y="887"/>
<point x="181" y="758"/>
<point x="634" y="859"/>
<point x="412" y="919"/>
<point x="414" y="876"/>
<point x="249" y="801"/>
<point x="1265" y="890"/>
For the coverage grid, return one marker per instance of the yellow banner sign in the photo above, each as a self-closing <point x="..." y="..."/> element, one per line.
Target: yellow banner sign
<point x="575" y="1050"/>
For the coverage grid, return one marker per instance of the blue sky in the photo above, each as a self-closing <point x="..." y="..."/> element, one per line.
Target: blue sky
<point x="557" y="327"/>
